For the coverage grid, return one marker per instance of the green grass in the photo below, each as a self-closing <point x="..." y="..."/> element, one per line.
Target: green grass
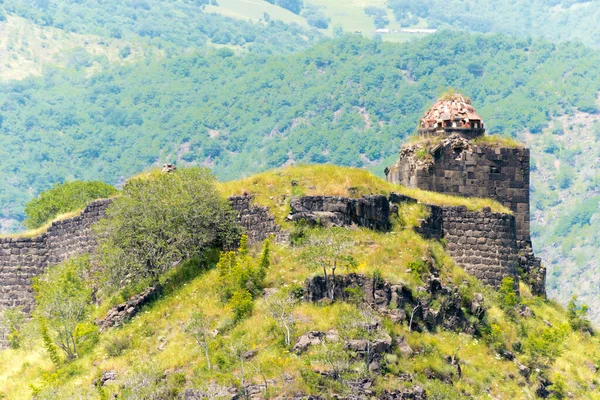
<point x="156" y="336"/>
<point x="274" y="188"/>
<point x="498" y="141"/>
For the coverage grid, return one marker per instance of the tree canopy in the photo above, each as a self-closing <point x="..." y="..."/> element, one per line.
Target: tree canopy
<point x="63" y="198"/>
<point x="158" y="221"/>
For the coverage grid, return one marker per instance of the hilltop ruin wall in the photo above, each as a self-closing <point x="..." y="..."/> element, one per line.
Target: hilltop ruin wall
<point x="461" y="168"/>
<point x="21" y="259"/>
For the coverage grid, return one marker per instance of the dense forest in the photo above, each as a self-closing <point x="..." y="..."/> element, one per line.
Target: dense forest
<point x="169" y="25"/>
<point x="349" y="101"/>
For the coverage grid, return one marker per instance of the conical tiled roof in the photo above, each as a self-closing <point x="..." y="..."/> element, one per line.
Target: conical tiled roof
<point x="451" y="113"/>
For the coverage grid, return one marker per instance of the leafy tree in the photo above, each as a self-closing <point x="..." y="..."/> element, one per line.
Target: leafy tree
<point x="160" y="220"/>
<point x="62" y="304"/>
<point x="578" y="316"/>
<point x="198" y="327"/>
<point x="280" y="306"/>
<point x="63" y="198"/>
<point x="327" y="250"/>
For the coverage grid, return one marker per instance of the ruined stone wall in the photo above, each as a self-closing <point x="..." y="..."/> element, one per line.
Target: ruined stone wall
<point x="368" y="211"/>
<point x="257" y="221"/>
<point x="461" y="168"/>
<point x="21" y="259"/>
<point x="483" y="243"/>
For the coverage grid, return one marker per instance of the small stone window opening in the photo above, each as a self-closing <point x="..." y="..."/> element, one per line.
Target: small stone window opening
<point x="495" y="170"/>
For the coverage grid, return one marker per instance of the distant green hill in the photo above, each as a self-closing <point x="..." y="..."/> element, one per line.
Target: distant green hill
<point x="350" y="102"/>
<point x="171" y="25"/>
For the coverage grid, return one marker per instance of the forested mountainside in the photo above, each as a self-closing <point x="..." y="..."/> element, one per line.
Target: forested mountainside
<point x="565" y="204"/>
<point x="350" y="101"/>
<point x="172" y="25"/>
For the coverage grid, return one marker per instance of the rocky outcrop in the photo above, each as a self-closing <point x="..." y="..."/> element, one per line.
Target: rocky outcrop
<point x="368" y="211"/>
<point x="122" y="313"/>
<point x="437" y="305"/>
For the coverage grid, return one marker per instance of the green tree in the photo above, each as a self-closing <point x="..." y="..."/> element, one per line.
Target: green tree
<point x="62" y="304"/>
<point x="577" y="315"/>
<point x="159" y="221"/>
<point x="63" y="198"/>
<point x="198" y="327"/>
<point x="327" y="250"/>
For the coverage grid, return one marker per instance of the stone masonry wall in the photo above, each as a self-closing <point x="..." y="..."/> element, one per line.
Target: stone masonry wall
<point x="459" y="167"/>
<point x="369" y="211"/>
<point x="483" y="243"/>
<point x="21" y="259"/>
<point x="257" y="221"/>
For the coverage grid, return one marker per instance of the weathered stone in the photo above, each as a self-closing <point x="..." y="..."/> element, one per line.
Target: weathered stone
<point x="368" y="211"/>
<point x="257" y="222"/>
<point x="524" y="370"/>
<point x="308" y="339"/>
<point x="404" y="348"/>
<point x="125" y="311"/>
<point x="108" y="376"/>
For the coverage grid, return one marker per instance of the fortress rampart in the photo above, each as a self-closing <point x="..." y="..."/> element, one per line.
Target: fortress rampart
<point x="23" y="258"/>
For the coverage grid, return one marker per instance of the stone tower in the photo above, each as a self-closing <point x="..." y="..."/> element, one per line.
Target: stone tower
<point x="454" y="156"/>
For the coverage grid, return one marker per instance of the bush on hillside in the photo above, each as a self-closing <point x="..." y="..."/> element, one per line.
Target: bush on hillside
<point x="578" y="316"/>
<point x="63" y="299"/>
<point x="159" y="221"/>
<point x="64" y="198"/>
<point x="241" y="277"/>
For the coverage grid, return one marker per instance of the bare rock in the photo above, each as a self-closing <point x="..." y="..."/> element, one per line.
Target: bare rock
<point x="404" y="348"/>
<point x="108" y="376"/>
<point x="168" y="168"/>
<point x="308" y="339"/>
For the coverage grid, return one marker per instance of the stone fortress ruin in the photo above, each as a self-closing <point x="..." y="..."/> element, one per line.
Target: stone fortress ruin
<point x="451" y="155"/>
<point x="454" y="156"/>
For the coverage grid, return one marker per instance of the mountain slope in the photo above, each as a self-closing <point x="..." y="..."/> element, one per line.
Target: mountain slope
<point x="27" y="49"/>
<point x="508" y="354"/>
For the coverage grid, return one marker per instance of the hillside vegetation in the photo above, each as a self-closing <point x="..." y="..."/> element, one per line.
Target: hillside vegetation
<point x="172" y="25"/>
<point x="28" y="49"/>
<point x="350" y="101"/>
<point x="565" y="206"/>
<point x="162" y="351"/>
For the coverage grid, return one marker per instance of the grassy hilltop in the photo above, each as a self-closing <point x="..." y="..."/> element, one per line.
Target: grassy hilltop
<point x="509" y="355"/>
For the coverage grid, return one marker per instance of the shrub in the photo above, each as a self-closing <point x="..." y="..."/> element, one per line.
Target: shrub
<point x="117" y="345"/>
<point x="63" y="198"/>
<point x="12" y="321"/>
<point x="158" y="221"/>
<point x="508" y="296"/>
<point x="241" y="304"/>
<point x="62" y="305"/>
<point x="578" y="316"/>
